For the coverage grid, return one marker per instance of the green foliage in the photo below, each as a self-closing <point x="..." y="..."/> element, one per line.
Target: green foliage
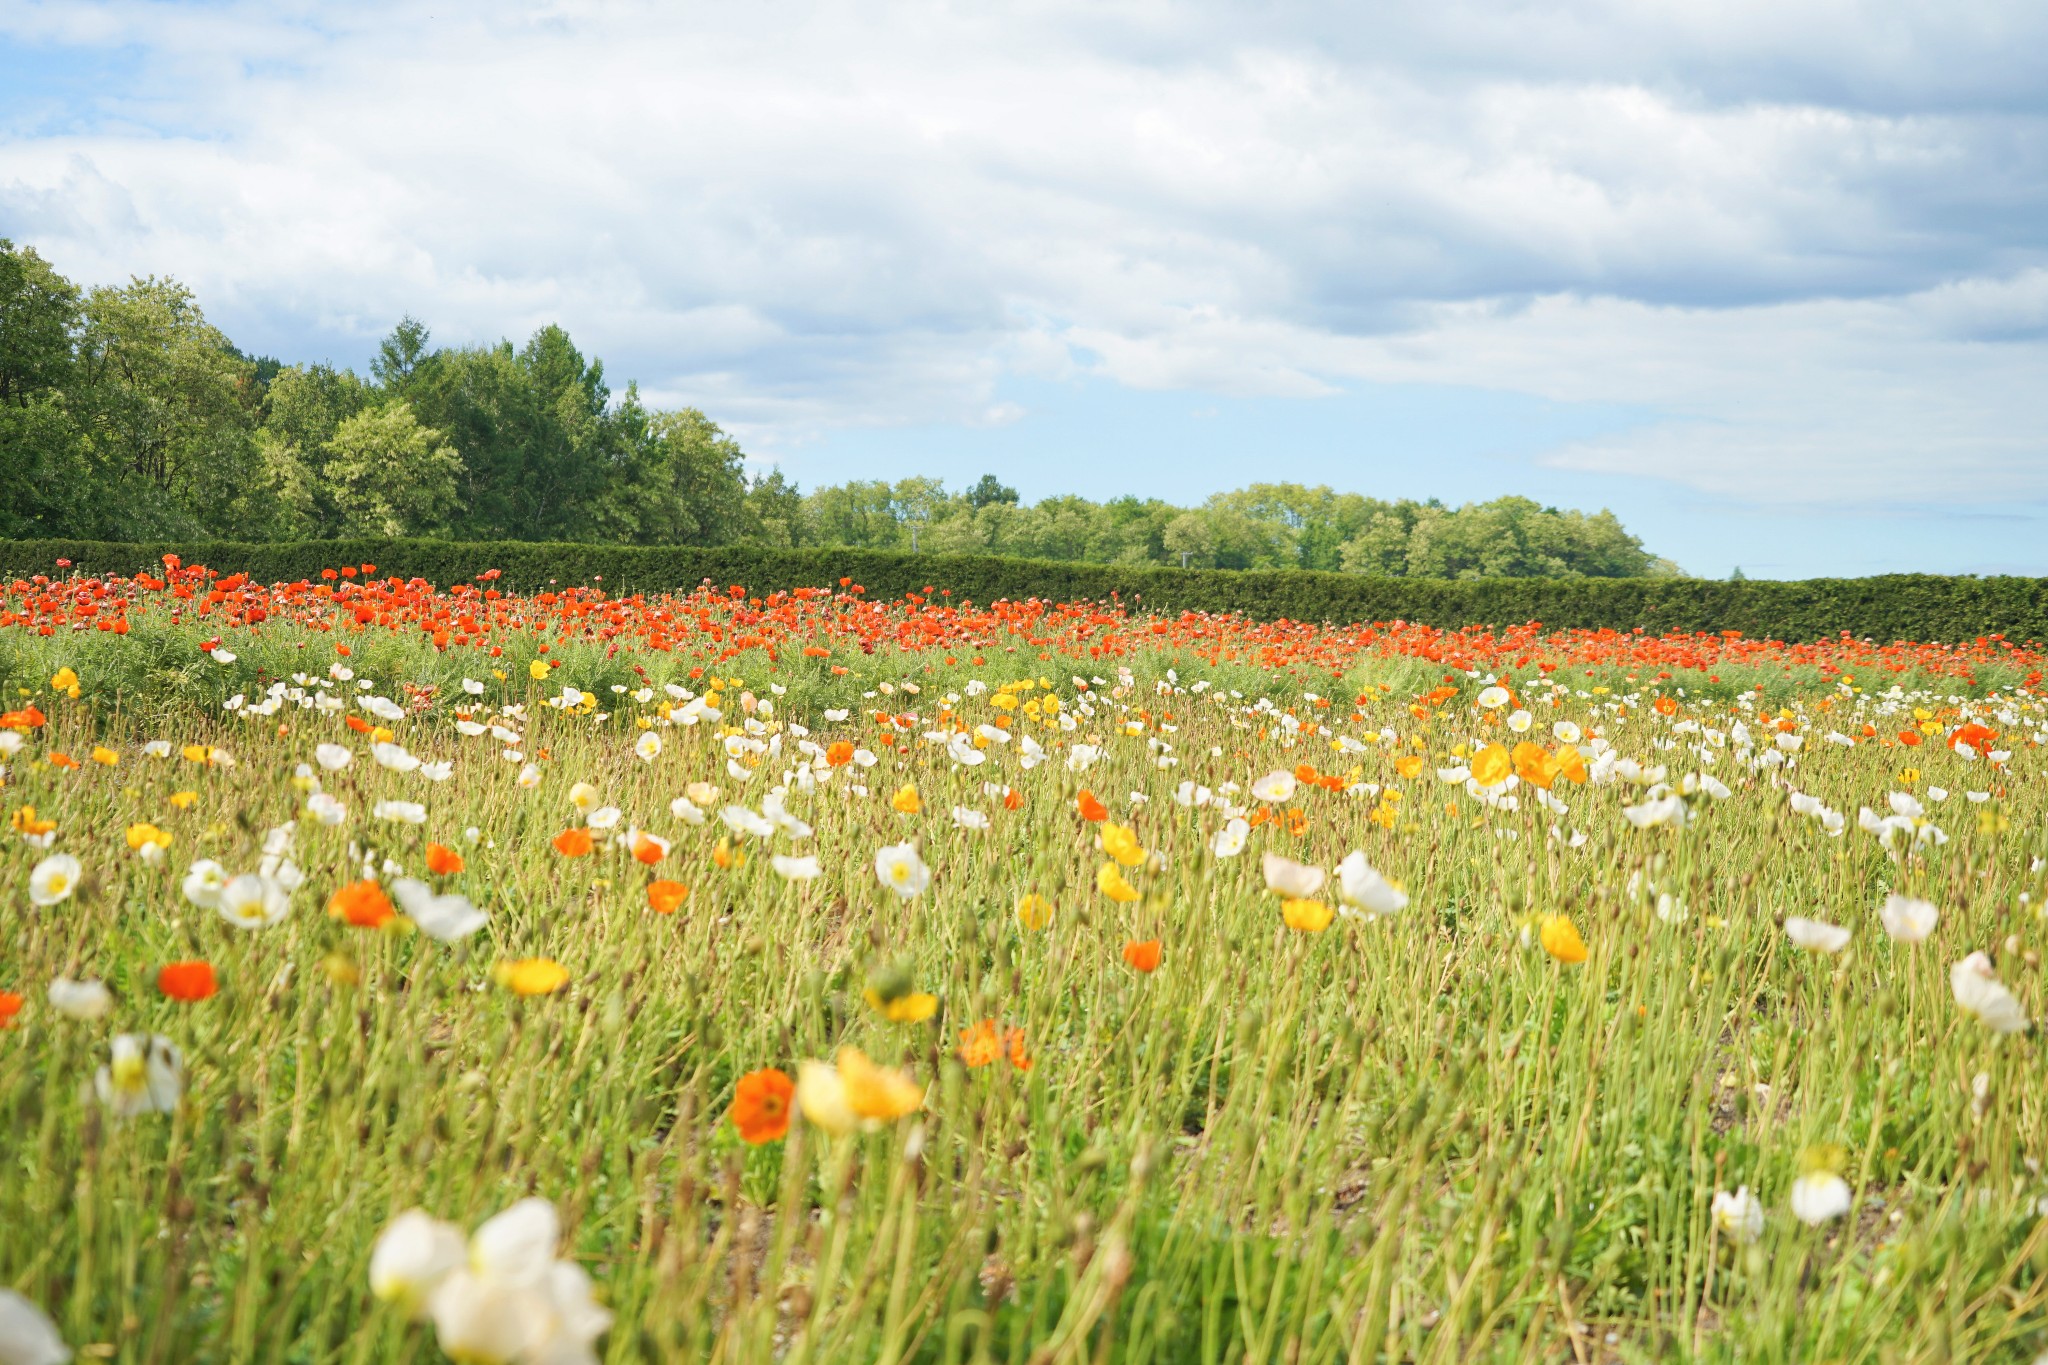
<point x="1888" y="608"/>
<point x="124" y="415"/>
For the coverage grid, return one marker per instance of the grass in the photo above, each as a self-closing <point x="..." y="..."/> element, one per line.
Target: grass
<point x="1413" y="1139"/>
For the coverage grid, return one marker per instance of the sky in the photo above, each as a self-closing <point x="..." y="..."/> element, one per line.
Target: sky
<point x="1768" y="278"/>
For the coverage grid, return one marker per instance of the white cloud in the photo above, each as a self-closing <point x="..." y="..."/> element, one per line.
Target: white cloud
<point x="1807" y="234"/>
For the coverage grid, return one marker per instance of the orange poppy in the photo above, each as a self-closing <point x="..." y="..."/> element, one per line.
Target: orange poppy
<point x="665" y="898"/>
<point x="10" y="1005"/>
<point x="1144" y="956"/>
<point x="573" y="843"/>
<point x="362" y="904"/>
<point x="980" y="1045"/>
<point x="443" y="861"/>
<point x="760" y="1105"/>
<point x="838" y="754"/>
<point x="1019" y="1058"/>
<point x="1091" y="809"/>
<point x="1408" y="765"/>
<point x="188" y="981"/>
<point x="649" y="849"/>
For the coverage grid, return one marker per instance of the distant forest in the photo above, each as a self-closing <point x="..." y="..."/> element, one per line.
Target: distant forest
<point x="125" y="415"/>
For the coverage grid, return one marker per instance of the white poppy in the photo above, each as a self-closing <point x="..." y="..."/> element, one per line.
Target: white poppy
<point x="898" y="867"/>
<point x="412" y="1256"/>
<point x="446" y="918"/>
<point x="1979" y="991"/>
<point x="1231" y="839"/>
<point x="1739" y="1216"/>
<point x="1275" y="787"/>
<point x="27" y="1336"/>
<point x="1908" y="920"/>
<point x="1295" y="881"/>
<point x="54" y="879"/>
<point x="401" y="812"/>
<point x="1818" y="935"/>
<point x="80" y="999"/>
<point x="203" y="883"/>
<point x="795" y="869"/>
<point x="253" y="902"/>
<point x="146" y="1075"/>
<point x="332" y="757"/>
<point x="1361" y="890"/>
<point x="1818" y="1197"/>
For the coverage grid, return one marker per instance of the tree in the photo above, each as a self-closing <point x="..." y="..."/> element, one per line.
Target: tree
<point x="38" y="319"/>
<point x="391" y="476"/>
<point x="917" y="502"/>
<point x="989" y="489"/>
<point x="167" y="407"/>
<point x="1187" y="538"/>
<point x="775" y="511"/>
<point x="400" y="355"/>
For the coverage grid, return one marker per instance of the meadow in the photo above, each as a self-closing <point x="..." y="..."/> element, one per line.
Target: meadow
<point x="400" y="972"/>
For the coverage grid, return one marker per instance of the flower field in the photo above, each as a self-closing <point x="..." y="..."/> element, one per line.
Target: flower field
<point x="399" y="972"/>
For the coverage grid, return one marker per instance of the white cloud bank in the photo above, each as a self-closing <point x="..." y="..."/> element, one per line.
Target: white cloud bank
<point x="1811" y="236"/>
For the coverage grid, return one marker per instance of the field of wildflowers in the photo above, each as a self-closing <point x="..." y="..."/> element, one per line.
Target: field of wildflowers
<point x="396" y="971"/>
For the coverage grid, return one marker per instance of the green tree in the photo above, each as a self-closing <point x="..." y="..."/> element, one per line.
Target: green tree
<point x="168" y="409"/>
<point x="988" y="489"/>
<point x="390" y="476"/>
<point x="775" y="511"/>
<point x="44" y="475"/>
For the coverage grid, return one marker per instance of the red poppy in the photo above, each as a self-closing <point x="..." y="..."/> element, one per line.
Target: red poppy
<point x="363" y="905"/>
<point x="760" y="1105"/>
<point x="187" y="981"/>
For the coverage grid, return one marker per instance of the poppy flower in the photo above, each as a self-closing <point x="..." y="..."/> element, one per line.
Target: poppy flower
<point x="904" y="1007"/>
<point x="761" y="1105"/>
<point x="1491" y="766"/>
<point x="1013" y="1042"/>
<point x="443" y="861"/>
<point x="10" y="1005"/>
<point x="1306" y="916"/>
<point x="665" y="897"/>
<point x="907" y="800"/>
<point x="531" y="976"/>
<point x="1109" y="880"/>
<point x="649" y="848"/>
<point x="1408" y="765"/>
<point x="363" y="905"/>
<point x="1560" y="938"/>
<point x="838" y="754"/>
<point x="1121" y="843"/>
<point x="1092" y="810"/>
<point x="980" y="1044"/>
<point x="1143" y="957"/>
<point x="188" y="981"/>
<point x="573" y="843"/>
<point x="1034" y="912"/>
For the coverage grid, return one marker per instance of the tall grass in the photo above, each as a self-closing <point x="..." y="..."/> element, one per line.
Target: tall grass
<point x="1416" y="1139"/>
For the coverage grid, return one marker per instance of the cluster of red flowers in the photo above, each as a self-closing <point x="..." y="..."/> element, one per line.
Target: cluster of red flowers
<point x="713" y="625"/>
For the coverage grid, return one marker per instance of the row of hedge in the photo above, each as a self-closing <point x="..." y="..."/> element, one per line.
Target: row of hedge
<point x="1889" y="608"/>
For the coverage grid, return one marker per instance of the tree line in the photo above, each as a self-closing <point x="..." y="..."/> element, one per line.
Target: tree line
<point x="125" y="415"/>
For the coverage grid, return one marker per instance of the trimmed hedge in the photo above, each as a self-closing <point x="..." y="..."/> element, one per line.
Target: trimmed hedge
<point x="1894" y="607"/>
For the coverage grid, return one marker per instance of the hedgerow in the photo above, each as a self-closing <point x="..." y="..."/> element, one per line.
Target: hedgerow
<point x="1891" y="607"/>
